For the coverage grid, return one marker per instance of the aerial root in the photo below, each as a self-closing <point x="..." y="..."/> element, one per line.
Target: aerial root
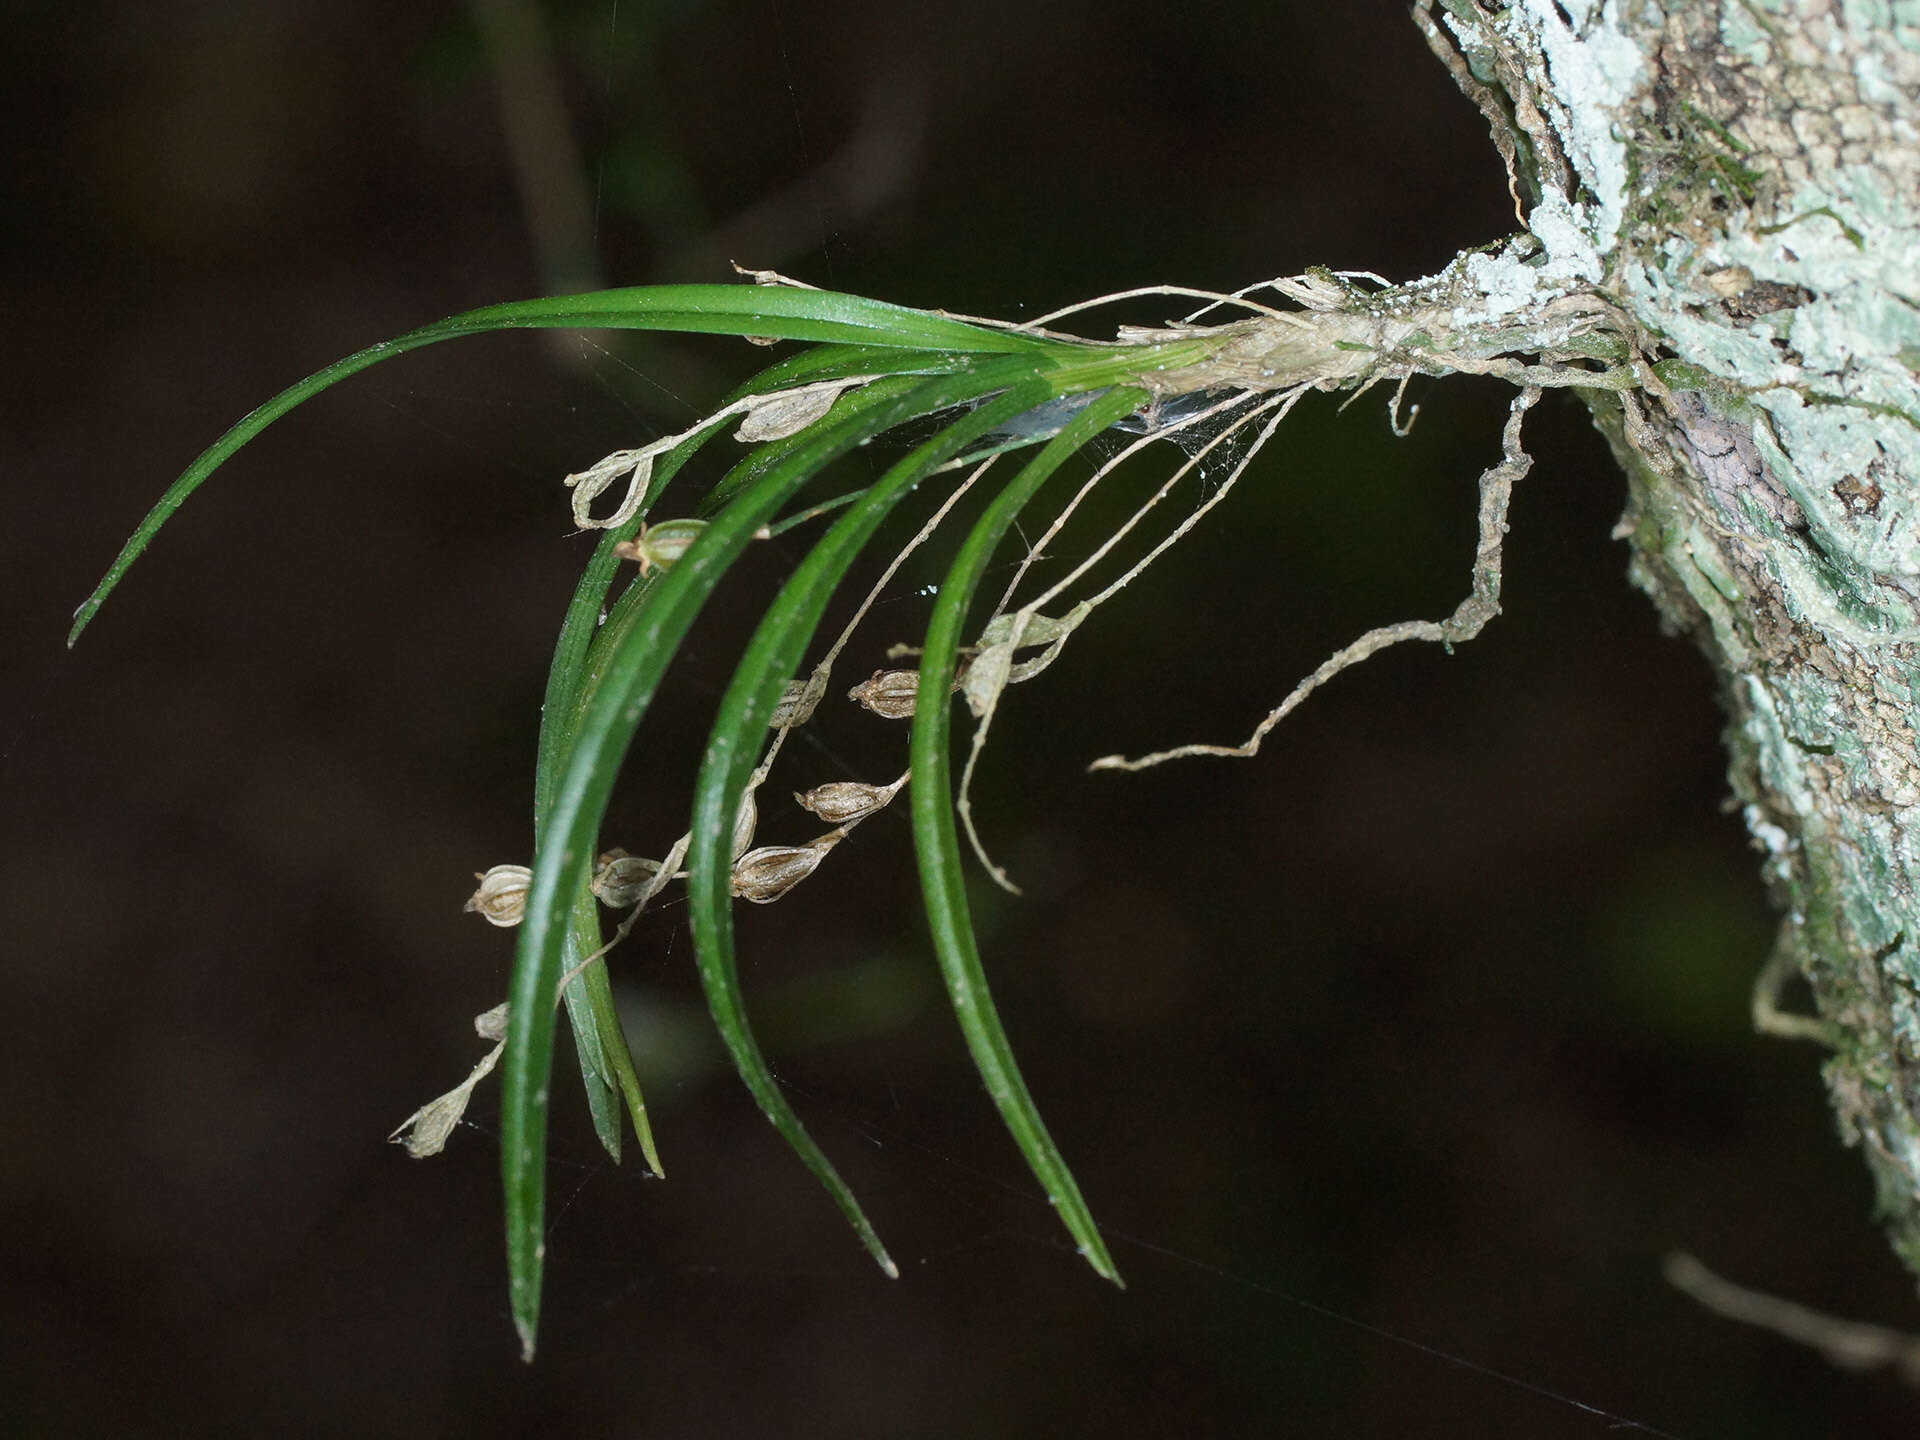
<point x="1849" y="1344"/>
<point x="1469" y="618"/>
<point x="992" y="668"/>
<point x="1770" y="1016"/>
<point x="1481" y="95"/>
<point x="1401" y="429"/>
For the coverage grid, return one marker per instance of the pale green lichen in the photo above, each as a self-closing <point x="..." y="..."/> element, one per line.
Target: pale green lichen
<point x="1745" y="37"/>
<point x="1812" y="451"/>
<point x="1594" y="60"/>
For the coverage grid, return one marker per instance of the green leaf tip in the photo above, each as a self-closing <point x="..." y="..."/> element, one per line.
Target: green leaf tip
<point x="786" y="313"/>
<point x="937" y="845"/>
<point x="771" y="656"/>
<point x="628" y="678"/>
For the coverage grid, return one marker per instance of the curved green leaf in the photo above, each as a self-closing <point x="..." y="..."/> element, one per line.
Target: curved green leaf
<point x="602" y="1049"/>
<point x="627" y="683"/>
<point x="602" y="683"/>
<point x="936" y="842"/>
<point x="836" y="362"/>
<point x="739" y="733"/>
<point x="784" y="313"/>
<point x="606" y="1063"/>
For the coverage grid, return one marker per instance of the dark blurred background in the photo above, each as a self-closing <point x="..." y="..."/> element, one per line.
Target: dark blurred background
<point x="1431" y="1020"/>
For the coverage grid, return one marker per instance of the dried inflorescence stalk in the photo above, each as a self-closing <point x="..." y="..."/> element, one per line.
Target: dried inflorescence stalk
<point x="767" y="417"/>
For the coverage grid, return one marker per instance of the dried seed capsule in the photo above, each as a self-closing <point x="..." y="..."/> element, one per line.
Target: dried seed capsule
<point x="796" y="704"/>
<point x="660" y="544"/>
<point x="888" y="693"/>
<point x="425" y="1132"/>
<point x="492" y="1024"/>
<point x="1039" y="629"/>
<point x="502" y="896"/>
<point x="744" y="820"/>
<point x="986" y="677"/>
<point x="787" y="412"/>
<point x="843" y="802"/>
<point x="621" y="880"/>
<point x="764" y="875"/>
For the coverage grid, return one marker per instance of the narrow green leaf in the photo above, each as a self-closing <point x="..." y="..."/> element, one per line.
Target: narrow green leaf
<point x="837" y="362"/>
<point x="606" y="1061"/>
<point x="568" y="676"/>
<point x="606" y="1064"/>
<point x="606" y="1068"/>
<point x="596" y="1068"/>
<point x="627" y="683"/>
<point x="937" y="844"/>
<point x="740" y="732"/>
<point x="818" y="315"/>
<point x="783" y="312"/>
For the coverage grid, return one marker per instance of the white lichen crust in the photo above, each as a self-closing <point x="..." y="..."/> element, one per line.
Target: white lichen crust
<point x="1742" y="178"/>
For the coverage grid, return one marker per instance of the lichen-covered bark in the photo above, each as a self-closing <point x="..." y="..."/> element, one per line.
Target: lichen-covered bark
<point x="1742" y="177"/>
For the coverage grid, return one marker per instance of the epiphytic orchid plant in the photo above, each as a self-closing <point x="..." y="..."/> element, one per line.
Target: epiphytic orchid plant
<point x="993" y="397"/>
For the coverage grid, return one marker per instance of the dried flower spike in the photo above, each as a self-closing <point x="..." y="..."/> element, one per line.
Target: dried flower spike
<point x="502" y="896"/>
<point x="888" y="693"/>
